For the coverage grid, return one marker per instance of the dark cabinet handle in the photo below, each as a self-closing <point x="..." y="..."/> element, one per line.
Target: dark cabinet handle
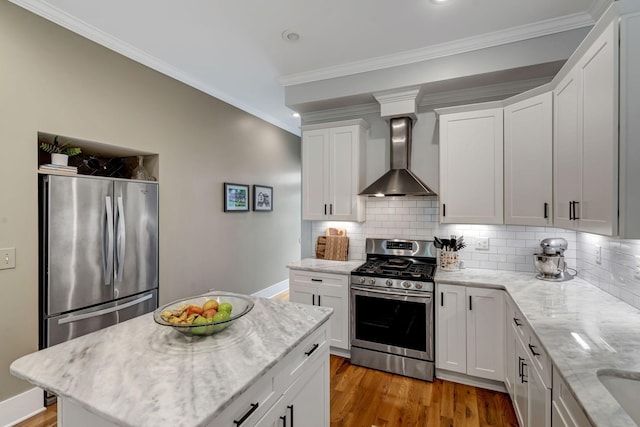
<point x="516" y="321"/>
<point x="570" y="210"/>
<point x="319" y="300"/>
<point x="444" y="209"/>
<point x="314" y="348"/>
<point x="470" y="303"/>
<point x="239" y="422"/>
<point x="520" y="360"/>
<point x="316" y="280"/>
<point x="575" y="216"/>
<point x="325" y="208"/>
<point x="313" y="299"/>
<point x="441" y="299"/>
<point x="531" y="347"/>
<point x="291" y="407"/>
<point x="331" y="209"/>
<point x="524" y="365"/>
<point x="546" y="210"/>
<point x="284" y="420"/>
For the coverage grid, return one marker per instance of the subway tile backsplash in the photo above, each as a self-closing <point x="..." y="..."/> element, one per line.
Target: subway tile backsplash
<point x="511" y="247"/>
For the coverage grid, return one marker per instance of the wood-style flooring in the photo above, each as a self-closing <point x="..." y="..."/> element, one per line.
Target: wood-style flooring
<point x="362" y="397"/>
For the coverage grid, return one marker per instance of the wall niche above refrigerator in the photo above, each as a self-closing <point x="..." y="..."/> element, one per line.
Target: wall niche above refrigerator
<point x="99" y="159"/>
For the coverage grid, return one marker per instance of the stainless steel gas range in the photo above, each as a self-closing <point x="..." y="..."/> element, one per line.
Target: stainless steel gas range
<point x="392" y="312"/>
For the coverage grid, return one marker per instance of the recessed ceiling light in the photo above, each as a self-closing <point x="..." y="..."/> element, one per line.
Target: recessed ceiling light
<point x="290" y="36"/>
<point x="296" y="114"/>
<point x="439" y="1"/>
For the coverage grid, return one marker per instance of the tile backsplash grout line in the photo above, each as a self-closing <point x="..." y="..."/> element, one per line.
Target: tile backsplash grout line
<point x="511" y="247"/>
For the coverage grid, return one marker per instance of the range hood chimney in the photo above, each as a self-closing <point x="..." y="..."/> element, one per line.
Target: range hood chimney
<point x="399" y="180"/>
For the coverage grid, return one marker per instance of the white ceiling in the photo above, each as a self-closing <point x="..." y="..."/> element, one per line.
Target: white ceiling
<point x="234" y="50"/>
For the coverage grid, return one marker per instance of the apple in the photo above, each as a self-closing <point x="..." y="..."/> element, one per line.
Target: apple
<point x="193" y="308"/>
<point x="208" y="314"/>
<point x="210" y="304"/>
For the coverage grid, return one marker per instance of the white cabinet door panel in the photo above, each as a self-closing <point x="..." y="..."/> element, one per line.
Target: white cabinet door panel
<point x="451" y="342"/>
<point x="343" y="177"/>
<point x="315" y="173"/>
<point x="485" y="333"/>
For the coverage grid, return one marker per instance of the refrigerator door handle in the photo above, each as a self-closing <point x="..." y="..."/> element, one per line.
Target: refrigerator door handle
<point x="107" y="260"/>
<point x="122" y="239"/>
<point x="104" y="311"/>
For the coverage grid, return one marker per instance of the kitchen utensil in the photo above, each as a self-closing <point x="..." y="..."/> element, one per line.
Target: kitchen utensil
<point x="241" y="305"/>
<point x="550" y="263"/>
<point x="437" y="242"/>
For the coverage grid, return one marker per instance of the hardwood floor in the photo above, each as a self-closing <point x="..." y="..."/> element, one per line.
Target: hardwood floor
<point x="362" y="397"/>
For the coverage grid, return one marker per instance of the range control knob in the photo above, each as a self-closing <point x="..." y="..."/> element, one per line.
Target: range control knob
<point x="372" y="281"/>
<point x="406" y="284"/>
<point x="389" y="282"/>
<point x="362" y="280"/>
<point x="418" y="285"/>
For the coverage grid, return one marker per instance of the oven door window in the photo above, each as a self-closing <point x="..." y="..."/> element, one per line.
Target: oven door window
<point x="391" y="321"/>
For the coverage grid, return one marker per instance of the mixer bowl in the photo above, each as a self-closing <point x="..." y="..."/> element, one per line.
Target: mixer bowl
<point x="549" y="265"/>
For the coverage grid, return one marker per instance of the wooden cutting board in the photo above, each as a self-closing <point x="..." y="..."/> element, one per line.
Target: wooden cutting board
<point x="333" y="248"/>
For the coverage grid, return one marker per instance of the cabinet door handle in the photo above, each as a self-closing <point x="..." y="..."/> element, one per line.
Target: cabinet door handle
<point x="441" y="299"/>
<point x="319" y="300"/>
<point x="520" y="359"/>
<point x="516" y="321"/>
<point x="524" y="365"/>
<point x="570" y="210"/>
<point x="316" y="280"/>
<point x="239" y="422"/>
<point x="284" y="420"/>
<point x="313" y="299"/>
<point x="575" y="216"/>
<point x="444" y="209"/>
<point x="331" y="209"/>
<point x="291" y="407"/>
<point x="325" y="208"/>
<point x="470" y="303"/>
<point x="314" y="348"/>
<point x="531" y="347"/>
<point x="546" y="210"/>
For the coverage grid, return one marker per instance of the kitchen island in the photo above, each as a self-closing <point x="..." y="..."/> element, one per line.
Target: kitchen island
<point x="139" y="373"/>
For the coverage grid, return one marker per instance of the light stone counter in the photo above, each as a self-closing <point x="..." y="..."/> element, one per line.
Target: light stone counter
<point x="139" y="373"/>
<point x="325" y="265"/>
<point x="609" y="327"/>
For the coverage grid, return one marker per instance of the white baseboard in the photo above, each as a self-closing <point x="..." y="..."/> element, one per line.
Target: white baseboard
<point x="469" y="380"/>
<point x="273" y="290"/>
<point x="18" y="408"/>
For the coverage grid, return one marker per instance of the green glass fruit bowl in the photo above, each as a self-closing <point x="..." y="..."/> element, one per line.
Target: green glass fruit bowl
<point x="203" y="315"/>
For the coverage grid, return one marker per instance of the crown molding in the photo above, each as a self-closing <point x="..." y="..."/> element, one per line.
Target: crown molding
<point x="94" y="34"/>
<point x="341" y="113"/>
<point x="538" y="29"/>
<point x="599" y="7"/>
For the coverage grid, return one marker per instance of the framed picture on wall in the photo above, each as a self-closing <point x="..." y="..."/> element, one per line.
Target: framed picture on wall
<point x="262" y="198"/>
<point x="236" y="197"/>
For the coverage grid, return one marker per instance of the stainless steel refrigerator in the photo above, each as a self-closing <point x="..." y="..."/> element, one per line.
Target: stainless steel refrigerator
<point x="99" y="254"/>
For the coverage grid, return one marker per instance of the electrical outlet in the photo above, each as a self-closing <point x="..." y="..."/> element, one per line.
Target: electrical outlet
<point x="7" y="258"/>
<point x="598" y="254"/>
<point x="482" y="243"/>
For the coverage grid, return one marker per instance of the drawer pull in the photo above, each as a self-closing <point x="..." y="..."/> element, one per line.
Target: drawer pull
<point x="524" y="365"/>
<point x="516" y="321"/>
<point x="239" y="422"/>
<point x="316" y="280"/>
<point x="284" y="420"/>
<point x="291" y="407"/>
<point x="314" y="348"/>
<point x="531" y="347"/>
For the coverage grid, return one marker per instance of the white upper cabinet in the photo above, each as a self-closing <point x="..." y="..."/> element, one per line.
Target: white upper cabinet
<point x="586" y="140"/>
<point x="528" y="165"/>
<point x="333" y="171"/>
<point x="471" y="166"/>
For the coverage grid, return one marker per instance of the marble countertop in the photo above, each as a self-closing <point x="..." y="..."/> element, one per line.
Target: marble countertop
<point x="558" y="312"/>
<point x="325" y="265"/>
<point x="139" y="373"/>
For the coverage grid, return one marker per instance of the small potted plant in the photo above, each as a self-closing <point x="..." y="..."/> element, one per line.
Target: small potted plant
<point x="60" y="153"/>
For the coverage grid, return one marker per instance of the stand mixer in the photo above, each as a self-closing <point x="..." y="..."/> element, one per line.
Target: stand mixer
<point x="550" y="263"/>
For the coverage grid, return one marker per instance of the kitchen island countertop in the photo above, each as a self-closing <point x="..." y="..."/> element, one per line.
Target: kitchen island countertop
<point x="325" y="265"/>
<point x="558" y="312"/>
<point x="139" y="373"/>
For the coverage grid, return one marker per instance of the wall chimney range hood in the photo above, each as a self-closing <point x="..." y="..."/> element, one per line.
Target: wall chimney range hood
<point x="399" y="180"/>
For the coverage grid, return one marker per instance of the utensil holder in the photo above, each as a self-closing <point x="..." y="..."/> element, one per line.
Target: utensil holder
<point x="449" y="260"/>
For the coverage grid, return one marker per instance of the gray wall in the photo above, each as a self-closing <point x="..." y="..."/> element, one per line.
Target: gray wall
<point x="57" y="82"/>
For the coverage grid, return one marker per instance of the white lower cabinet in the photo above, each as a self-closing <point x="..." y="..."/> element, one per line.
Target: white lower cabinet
<point x="293" y="393"/>
<point x="566" y="411"/>
<point x="469" y="331"/>
<point x="327" y="290"/>
<point x="527" y="371"/>
<point x="305" y="403"/>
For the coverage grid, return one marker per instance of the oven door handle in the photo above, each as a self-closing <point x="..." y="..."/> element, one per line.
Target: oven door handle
<point x="425" y="295"/>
